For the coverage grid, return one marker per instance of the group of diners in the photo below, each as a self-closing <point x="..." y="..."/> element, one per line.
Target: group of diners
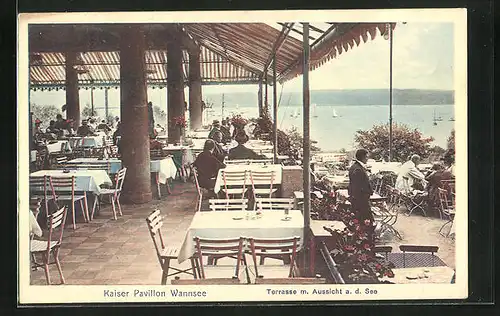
<point x="211" y="160"/>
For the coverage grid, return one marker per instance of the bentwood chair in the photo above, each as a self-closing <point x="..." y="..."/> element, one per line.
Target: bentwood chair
<point x="446" y="210"/>
<point x="165" y="253"/>
<point x="284" y="249"/>
<point x="50" y="246"/>
<point x="65" y="188"/>
<point x="113" y="193"/>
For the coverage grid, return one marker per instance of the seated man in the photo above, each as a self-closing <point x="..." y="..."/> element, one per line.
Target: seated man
<point x="103" y="126"/>
<point x="226" y="134"/>
<point x="208" y="166"/>
<point x="242" y="152"/>
<point x="85" y="130"/>
<point x="215" y="133"/>
<point x="52" y="128"/>
<point x="408" y="175"/>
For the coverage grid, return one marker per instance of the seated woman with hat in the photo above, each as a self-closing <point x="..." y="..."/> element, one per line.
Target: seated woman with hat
<point x="242" y="152"/>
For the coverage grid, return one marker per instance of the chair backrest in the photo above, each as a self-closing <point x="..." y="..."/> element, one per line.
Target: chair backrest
<point x="234" y="179"/>
<point x="228" y="204"/>
<point x="196" y="182"/>
<point x="155" y="222"/>
<point x="262" y="177"/>
<point x="63" y="184"/>
<point x="274" y="204"/>
<point x="277" y="246"/>
<point x="298" y="280"/>
<point x="56" y="221"/>
<point x="261" y="161"/>
<point x="40" y="184"/>
<point x="236" y="162"/>
<point x="61" y="160"/>
<point x="120" y="178"/>
<point x="444" y="203"/>
<point x="418" y="248"/>
<point x="218" y="248"/>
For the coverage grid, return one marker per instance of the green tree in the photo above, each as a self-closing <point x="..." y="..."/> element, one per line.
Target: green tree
<point x="405" y="142"/>
<point x="44" y="113"/>
<point x="159" y="115"/>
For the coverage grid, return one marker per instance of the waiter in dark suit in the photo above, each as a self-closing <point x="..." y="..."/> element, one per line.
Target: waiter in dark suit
<point x="360" y="190"/>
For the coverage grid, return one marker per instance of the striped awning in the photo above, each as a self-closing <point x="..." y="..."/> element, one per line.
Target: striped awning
<point x="236" y="53"/>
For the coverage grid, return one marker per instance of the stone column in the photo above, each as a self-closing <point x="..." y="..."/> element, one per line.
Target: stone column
<point x="259" y="97"/>
<point x="195" y="98"/>
<point x="72" y="97"/>
<point x="134" y="142"/>
<point x="175" y="89"/>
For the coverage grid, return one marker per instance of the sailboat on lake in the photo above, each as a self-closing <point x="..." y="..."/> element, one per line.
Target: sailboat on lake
<point x="314" y="110"/>
<point x="334" y="113"/>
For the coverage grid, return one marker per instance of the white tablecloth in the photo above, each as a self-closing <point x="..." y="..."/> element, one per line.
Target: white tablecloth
<point x="85" y="180"/>
<point x="165" y="167"/>
<point x="220" y="224"/>
<point x="384" y="166"/>
<point x="278" y="170"/>
<point x="61" y="145"/>
<point x="258" y="146"/>
<point x="33" y="155"/>
<point x="198" y="134"/>
<point x="89" y="141"/>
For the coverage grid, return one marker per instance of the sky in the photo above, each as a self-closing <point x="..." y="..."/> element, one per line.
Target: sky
<point x="422" y="59"/>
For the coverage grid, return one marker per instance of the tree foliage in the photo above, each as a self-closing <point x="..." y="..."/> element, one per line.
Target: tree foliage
<point x="405" y="142"/>
<point x="160" y="116"/>
<point x="44" y="113"/>
<point x="87" y="112"/>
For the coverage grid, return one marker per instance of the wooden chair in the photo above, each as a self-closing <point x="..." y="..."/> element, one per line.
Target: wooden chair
<point x="165" y="253"/>
<point x="113" y="193"/>
<point x="260" y="161"/>
<point x="276" y="248"/>
<point x="296" y="280"/>
<point x="419" y="249"/>
<point x="61" y="160"/>
<point x="199" y="190"/>
<point x="228" y="162"/>
<point x="228" y="204"/>
<point x="40" y="188"/>
<point x="235" y="182"/>
<point x="274" y="204"/>
<point x="65" y="188"/>
<point x="264" y="180"/>
<point x="50" y="246"/>
<point x="215" y="249"/>
<point x="446" y="210"/>
<point x="212" y="281"/>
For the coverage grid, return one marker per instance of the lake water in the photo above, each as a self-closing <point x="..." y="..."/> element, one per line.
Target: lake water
<point x="333" y="133"/>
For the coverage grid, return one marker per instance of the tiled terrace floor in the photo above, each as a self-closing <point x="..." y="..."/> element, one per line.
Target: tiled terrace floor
<point x="106" y="251"/>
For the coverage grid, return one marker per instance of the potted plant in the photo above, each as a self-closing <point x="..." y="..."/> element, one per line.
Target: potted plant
<point x="239" y="123"/>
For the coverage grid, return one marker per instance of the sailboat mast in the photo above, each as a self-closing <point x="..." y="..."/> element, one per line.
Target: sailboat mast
<point x="222" y="107"/>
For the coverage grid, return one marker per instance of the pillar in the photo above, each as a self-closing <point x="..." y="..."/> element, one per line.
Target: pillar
<point x="134" y="117"/>
<point x="259" y="96"/>
<point x="175" y="89"/>
<point x="265" y="109"/>
<point x="72" y="97"/>
<point x="195" y="97"/>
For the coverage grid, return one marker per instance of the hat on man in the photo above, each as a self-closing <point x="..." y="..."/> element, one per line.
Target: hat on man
<point x="216" y="123"/>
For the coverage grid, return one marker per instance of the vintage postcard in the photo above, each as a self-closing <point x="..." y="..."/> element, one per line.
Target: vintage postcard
<point x="273" y="156"/>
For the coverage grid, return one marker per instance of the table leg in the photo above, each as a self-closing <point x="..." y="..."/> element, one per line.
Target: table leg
<point x="158" y="185"/>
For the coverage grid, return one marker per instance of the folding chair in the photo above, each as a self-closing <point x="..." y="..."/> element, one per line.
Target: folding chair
<point x="228" y="162"/>
<point x="260" y="161"/>
<point x="61" y="160"/>
<point x="284" y="249"/>
<point x="165" y="253"/>
<point x="228" y="204"/>
<point x="217" y="249"/>
<point x="113" y="193"/>
<point x="413" y="202"/>
<point x="65" y="188"/>
<point x="446" y="210"/>
<point x="296" y="280"/>
<point x="214" y="281"/>
<point x="50" y="246"/>
<point x="264" y="180"/>
<point x="274" y="204"/>
<point x="235" y="182"/>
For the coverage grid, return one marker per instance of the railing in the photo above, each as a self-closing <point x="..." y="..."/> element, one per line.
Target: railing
<point x="334" y="274"/>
